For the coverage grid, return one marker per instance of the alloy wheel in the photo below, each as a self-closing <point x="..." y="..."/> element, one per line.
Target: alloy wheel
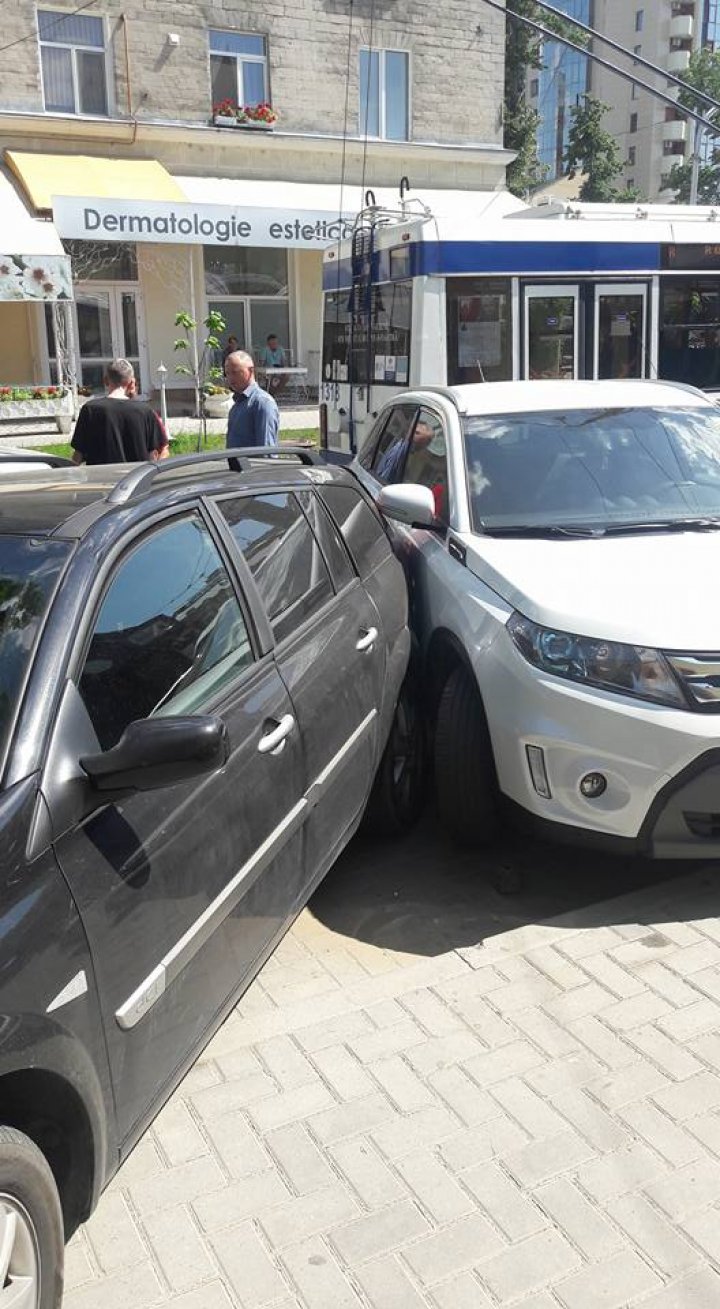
<point x="406" y="746"/>
<point x="19" y="1265"/>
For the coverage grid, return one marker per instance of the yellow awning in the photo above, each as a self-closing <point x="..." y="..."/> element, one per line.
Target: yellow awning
<point x="44" y="176"/>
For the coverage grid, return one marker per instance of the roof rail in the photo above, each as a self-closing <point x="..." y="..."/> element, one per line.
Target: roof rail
<point x="139" y="479"/>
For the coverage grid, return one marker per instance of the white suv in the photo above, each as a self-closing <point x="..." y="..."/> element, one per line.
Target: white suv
<point x="562" y="541"/>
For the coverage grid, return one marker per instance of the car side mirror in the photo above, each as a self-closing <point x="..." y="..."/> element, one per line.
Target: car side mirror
<point x="408" y="502"/>
<point x="158" y="752"/>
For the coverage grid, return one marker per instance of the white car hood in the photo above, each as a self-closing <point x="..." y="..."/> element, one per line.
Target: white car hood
<point x="650" y="590"/>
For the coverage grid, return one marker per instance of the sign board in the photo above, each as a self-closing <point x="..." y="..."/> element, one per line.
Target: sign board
<point x="89" y="219"/>
<point x="691" y="257"/>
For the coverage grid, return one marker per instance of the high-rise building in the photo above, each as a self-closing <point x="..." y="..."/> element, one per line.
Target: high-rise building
<point x="555" y="88"/>
<point x="652" y="136"/>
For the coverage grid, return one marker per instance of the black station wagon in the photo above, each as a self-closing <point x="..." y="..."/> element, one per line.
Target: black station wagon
<point x="200" y="663"/>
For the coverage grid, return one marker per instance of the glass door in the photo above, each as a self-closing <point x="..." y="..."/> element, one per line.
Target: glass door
<point x="619" y="347"/>
<point x="233" y="311"/>
<point x="108" y="325"/>
<point x="95" y="341"/>
<point x="551" y="331"/>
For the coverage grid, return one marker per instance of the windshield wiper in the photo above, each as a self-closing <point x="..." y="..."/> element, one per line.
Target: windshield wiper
<point x="542" y="529"/>
<point x="664" y="525"/>
<point x="580" y="531"/>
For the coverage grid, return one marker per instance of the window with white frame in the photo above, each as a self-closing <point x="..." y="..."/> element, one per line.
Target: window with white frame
<point x="238" y="68"/>
<point x="74" y="62"/>
<point x="385" y="94"/>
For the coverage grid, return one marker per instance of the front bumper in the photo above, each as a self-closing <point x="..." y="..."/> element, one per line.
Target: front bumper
<point x="662" y="765"/>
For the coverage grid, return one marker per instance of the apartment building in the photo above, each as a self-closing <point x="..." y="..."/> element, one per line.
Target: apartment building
<point x="652" y="136"/>
<point x="115" y="154"/>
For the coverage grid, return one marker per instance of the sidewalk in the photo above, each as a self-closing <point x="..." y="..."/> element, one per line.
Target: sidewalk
<point x="531" y="1121"/>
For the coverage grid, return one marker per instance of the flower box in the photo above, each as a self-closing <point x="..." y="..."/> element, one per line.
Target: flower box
<point x="257" y="125"/>
<point x="23" y="402"/>
<point x="225" y="120"/>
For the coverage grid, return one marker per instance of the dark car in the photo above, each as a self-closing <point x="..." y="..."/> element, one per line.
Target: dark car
<point x="199" y="669"/>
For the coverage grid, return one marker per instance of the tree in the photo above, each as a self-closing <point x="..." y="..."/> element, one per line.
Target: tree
<point x="701" y="74"/>
<point x="523" y="51"/>
<point x="595" y="152"/>
<point x="204" y="370"/>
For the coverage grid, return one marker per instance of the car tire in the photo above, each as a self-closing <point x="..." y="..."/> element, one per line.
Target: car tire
<point x="31" y="1221"/>
<point x="465" y="778"/>
<point x="398" y="793"/>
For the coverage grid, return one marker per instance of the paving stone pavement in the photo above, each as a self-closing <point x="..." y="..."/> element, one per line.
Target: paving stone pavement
<point x="533" y="1122"/>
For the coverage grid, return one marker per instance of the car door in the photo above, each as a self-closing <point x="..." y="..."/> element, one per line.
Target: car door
<point x="330" y="652"/>
<point x="181" y="890"/>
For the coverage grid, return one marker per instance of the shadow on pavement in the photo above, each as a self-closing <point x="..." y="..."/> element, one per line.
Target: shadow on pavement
<point x="421" y="895"/>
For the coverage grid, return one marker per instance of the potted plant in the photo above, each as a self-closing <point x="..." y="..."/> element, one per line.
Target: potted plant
<point x="225" y="113"/>
<point x="217" y="401"/>
<point x="261" y="116"/>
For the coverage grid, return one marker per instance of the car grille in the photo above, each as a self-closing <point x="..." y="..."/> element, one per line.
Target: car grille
<point x="699" y="675"/>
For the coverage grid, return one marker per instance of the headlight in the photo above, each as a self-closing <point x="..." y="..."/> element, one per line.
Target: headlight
<point x="629" y="669"/>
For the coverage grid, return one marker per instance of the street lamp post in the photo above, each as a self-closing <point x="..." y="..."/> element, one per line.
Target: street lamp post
<point x="162" y="374"/>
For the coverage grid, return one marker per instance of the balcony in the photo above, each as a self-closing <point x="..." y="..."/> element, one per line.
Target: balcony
<point x="677" y="61"/>
<point x="682" y="27"/>
<point x="675" y="131"/>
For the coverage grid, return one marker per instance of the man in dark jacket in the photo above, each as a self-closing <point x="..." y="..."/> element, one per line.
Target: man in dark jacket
<point x="116" y="429"/>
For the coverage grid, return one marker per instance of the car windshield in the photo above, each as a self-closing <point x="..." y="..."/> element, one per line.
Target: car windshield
<point x="29" y="569"/>
<point x="597" y="468"/>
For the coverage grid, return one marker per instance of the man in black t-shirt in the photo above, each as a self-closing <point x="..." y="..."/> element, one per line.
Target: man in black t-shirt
<point x="118" y="429"/>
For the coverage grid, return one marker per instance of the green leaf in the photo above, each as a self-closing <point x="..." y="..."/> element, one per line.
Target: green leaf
<point x="212" y="343"/>
<point x="180" y="368"/>
<point x="180" y="344"/>
<point x="183" y="319"/>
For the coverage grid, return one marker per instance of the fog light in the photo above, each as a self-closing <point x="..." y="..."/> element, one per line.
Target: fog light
<point x="593" y="785"/>
<point x="538" y="772"/>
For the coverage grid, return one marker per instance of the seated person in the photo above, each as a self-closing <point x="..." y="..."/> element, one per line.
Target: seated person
<point x="272" y="355"/>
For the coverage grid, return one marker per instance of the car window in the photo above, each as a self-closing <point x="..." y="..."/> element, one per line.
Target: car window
<point x="170" y="632"/>
<point x="426" y="460"/>
<point x="389" y="456"/>
<point x="283" y="555"/>
<point x="361" y="527"/>
<point x="331" y="542"/>
<point x="365" y="457"/>
<point x="29" y="571"/>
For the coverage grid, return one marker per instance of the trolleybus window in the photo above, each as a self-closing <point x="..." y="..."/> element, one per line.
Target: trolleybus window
<point x="479" y="330"/>
<point x="690" y="331"/>
<point x="366" y="335"/>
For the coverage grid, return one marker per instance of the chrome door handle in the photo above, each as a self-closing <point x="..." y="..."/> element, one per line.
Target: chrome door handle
<point x="276" y="738"/>
<point x="367" y="640"/>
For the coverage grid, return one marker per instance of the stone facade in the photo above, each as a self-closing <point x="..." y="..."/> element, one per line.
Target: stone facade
<point x="456" y="75"/>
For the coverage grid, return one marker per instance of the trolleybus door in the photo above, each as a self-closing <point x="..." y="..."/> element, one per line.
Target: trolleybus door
<point x="551" y="331"/>
<point x="620" y="331"/>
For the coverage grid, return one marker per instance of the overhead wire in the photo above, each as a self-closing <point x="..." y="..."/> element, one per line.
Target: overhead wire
<point x="367" y="99"/>
<point x="343" y="161"/>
